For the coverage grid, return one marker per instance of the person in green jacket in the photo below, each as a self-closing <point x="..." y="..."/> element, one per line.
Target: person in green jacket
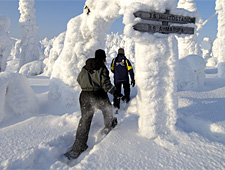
<point x="95" y="83"/>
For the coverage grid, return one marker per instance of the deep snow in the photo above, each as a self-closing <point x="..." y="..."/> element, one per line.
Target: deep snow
<point x="37" y="141"/>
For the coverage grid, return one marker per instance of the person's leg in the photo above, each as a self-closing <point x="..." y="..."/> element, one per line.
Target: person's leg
<point x="126" y="87"/>
<point x="87" y="112"/>
<point x="116" y="101"/>
<point x="105" y="106"/>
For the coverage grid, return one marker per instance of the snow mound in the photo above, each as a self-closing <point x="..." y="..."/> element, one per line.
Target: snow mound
<point x="16" y="95"/>
<point x="32" y="68"/>
<point x="191" y="72"/>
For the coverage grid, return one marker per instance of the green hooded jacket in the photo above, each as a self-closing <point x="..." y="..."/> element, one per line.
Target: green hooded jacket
<point x="97" y="80"/>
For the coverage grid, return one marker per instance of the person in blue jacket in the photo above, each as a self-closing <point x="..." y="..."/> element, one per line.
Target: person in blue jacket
<point x="122" y="68"/>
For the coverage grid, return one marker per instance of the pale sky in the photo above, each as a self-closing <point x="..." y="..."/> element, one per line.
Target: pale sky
<point x="53" y="15"/>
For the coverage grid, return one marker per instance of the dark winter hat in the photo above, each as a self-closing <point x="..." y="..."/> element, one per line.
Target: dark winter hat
<point x="90" y="64"/>
<point x="121" y="51"/>
<point x="100" y="55"/>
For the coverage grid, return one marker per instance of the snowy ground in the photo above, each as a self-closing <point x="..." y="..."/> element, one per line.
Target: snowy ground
<point x="36" y="142"/>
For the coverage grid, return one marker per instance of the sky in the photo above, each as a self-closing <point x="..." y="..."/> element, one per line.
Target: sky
<point x="53" y="15"/>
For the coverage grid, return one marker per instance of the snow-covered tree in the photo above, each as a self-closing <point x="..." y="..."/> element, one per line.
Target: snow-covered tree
<point x="114" y="41"/>
<point x="5" y="42"/>
<point x="215" y="53"/>
<point x="206" y="47"/>
<point x="85" y="34"/>
<point x="46" y="46"/>
<point x="191" y="74"/>
<point x="220" y="8"/>
<point x="189" y="44"/>
<point x="17" y="50"/>
<point x="215" y="48"/>
<point x="29" y="42"/>
<point x="54" y="53"/>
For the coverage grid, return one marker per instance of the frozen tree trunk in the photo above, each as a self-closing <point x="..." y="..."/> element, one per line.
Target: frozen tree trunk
<point x="28" y="25"/>
<point x="220" y="8"/>
<point x="189" y="44"/>
<point x="156" y="81"/>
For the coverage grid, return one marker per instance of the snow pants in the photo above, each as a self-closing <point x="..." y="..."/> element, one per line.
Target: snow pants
<point x="126" y="87"/>
<point x="90" y="100"/>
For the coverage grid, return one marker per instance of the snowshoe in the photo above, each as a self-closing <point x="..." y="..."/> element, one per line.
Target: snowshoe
<point x="106" y="130"/>
<point x="71" y="155"/>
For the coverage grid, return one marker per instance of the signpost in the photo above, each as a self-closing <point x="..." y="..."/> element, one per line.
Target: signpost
<point x="164" y="27"/>
<point x="156" y="61"/>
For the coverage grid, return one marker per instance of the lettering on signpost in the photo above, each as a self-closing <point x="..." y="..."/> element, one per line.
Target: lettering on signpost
<point x="165" y="18"/>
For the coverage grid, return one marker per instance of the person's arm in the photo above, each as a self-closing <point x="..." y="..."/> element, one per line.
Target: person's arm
<point x="105" y="81"/>
<point x="131" y="72"/>
<point x="112" y="65"/>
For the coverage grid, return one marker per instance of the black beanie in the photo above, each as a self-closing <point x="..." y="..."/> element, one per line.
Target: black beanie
<point x="100" y="55"/>
<point x="90" y="64"/>
<point x="121" y="51"/>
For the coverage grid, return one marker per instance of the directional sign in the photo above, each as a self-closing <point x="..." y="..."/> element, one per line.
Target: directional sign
<point x="164" y="17"/>
<point x="163" y="29"/>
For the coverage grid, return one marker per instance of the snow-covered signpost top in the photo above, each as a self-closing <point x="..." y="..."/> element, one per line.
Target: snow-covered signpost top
<point x="156" y="56"/>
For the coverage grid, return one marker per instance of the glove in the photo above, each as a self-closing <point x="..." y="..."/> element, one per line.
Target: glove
<point x="132" y="83"/>
<point x="118" y="95"/>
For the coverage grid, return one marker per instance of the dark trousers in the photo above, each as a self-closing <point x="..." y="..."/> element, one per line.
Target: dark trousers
<point x="90" y="100"/>
<point x="126" y="87"/>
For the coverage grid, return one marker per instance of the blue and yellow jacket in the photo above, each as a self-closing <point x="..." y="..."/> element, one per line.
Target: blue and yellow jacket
<point x="121" y="67"/>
